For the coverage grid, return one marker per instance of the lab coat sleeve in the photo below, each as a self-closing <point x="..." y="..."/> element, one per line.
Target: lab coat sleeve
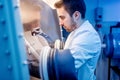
<point x="84" y="46"/>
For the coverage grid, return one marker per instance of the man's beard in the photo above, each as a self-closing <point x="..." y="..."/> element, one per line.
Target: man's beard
<point x="73" y="26"/>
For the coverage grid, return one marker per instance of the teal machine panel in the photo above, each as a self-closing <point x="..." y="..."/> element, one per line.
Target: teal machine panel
<point x="13" y="62"/>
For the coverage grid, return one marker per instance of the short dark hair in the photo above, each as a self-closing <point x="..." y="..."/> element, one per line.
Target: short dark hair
<point x="72" y="5"/>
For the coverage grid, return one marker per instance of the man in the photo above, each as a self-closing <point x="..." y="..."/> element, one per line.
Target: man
<point x="83" y="41"/>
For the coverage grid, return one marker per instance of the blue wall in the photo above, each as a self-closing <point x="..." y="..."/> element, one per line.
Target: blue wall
<point x="111" y="13"/>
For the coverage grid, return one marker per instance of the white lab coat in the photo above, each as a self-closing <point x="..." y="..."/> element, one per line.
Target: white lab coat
<point x="85" y="46"/>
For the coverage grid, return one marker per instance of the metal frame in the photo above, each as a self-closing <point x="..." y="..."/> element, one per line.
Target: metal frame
<point x="13" y="64"/>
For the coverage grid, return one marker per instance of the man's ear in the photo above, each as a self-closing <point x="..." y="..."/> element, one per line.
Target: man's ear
<point x="76" y="15"/>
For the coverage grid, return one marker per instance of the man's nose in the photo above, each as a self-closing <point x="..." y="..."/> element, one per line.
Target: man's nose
<point x="61" y="23"/>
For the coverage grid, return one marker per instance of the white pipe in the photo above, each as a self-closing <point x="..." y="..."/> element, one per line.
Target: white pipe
<point x="32" y="50"/>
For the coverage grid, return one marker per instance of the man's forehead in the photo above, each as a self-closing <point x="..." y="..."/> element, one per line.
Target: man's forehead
<point x="61" y="11"/>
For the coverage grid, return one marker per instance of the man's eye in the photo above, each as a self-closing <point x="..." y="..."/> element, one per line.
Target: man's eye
<point x="62" y="17"/>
